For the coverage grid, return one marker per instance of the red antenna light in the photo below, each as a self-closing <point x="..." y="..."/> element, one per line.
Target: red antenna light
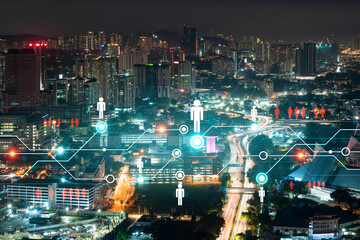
<point x="176" y="62"/>
<point x="30" y="44"/>
<point x="37" y="44"/>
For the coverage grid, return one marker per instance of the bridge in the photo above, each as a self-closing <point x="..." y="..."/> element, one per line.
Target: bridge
<point x="238" y="190"/>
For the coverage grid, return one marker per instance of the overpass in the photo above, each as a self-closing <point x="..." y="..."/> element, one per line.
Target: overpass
<point x="238" y="190"/>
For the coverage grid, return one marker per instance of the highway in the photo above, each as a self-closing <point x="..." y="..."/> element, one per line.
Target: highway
<point x="237" y="203"/>
<point x="123" y="191"/>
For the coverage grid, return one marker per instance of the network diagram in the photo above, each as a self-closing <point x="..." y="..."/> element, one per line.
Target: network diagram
<point x="197" y="142"/>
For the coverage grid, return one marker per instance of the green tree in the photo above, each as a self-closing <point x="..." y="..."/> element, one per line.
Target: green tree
<point x="122" y="235"/>
<point x="209" y="226"/>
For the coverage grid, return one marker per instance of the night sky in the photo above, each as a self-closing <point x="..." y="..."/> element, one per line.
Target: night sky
<point x="290" y="19"/>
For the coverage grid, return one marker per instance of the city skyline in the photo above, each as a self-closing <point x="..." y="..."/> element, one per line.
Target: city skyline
<point x="297" y="20"/>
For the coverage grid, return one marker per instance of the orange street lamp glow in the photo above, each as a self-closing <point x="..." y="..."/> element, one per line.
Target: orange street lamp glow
<point x="300" y="155"/>
<point x="162" y="129"/>
<point x="12" y="153"/>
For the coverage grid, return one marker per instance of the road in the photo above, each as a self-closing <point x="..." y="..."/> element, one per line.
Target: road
<point x="237" y="203"/>
<point x="123" y="191"/>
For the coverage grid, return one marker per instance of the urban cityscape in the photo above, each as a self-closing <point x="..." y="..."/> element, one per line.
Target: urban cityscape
<point x="191" y="120"/>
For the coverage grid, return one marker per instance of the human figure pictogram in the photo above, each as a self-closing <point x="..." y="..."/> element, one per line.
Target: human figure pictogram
<point x="253" y="114"/>
<point x="290" y="112"/>
<point x="180" y="194"/>
<point x="140" y="165"/>
<point x="262" y="194"/>
<point x="277" y="112"/>
<point x="322" y="112"/>
<point x="197" y="115"/>
<point x="303" y="112"/>
<point x="316" y="112"/>
<point x="101" y="108"/>
<point x="296" y="111"/>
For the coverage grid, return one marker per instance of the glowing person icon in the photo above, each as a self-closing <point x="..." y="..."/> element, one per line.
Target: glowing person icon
<point x="197" y="115"/>
<point x="101" y="108"/>
<point x="180" y="194"/>
<point x="262" y="194"/>
<point x="253" y="114"/>
<point x="140" y="165"/>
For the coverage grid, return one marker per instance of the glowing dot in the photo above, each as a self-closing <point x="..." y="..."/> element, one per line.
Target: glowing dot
<point x="300" y="155"/>
<point x="197" y="141"/>
<point x="330" y="151"/>
<point x="261" y="178"/>
<point x="12" y="153"/>
<point x="161" y="129"/>
<point x="60" y="150"/>
<point x="140" y="179"/>
<point x="101" y="126"/>
<point x="104" y="149"/>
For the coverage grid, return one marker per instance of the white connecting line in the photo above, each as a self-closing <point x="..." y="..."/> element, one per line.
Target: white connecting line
<point x="126" y="149"/>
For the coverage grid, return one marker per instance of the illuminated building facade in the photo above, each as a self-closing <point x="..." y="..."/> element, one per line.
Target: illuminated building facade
<point x="54" y="195"/>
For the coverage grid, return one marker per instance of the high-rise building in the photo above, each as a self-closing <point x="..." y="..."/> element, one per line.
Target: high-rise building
<point x="128" y="59"/>
<point x="186" y="78"/>
<point x="2" y="72"/>
<point x="152" y="81"/>
<point x="104" y="70"/>
<point x="186" y="34"/>
<point x="281" y="55"/>
<point x="40" y="50"/>
<point x="125" y="94"/>
<point x="309" y="58"/>
<point x="262" y="51"/>
<point x="305" y="59"/>
<point x="22" y="72"/>
<point x="76" y="90"/>
<point x="91" y="89"/>
<point x="223" y="66"/>
<point x="356" y="43"/>
<point x="22" y="81"/>
<point x="116" y="38"/>
<point x="193" y="42"/>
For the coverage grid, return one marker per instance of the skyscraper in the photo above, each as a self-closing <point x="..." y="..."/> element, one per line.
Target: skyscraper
<point x="91" y="89"/>
<point x="22" y="81"/>
<point x="305" y="59"/>
<point x="104" y="70"/>
<point x="309" y="58"/>
<point x="22" y="72"/>
<point x="193" y="42"/>
<point x="356" y="43"/>
<point x="152" y="81"/>
<point x="125" y="94"/>
<point x="76" y="91"/>
<point x="40" y="50"/>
